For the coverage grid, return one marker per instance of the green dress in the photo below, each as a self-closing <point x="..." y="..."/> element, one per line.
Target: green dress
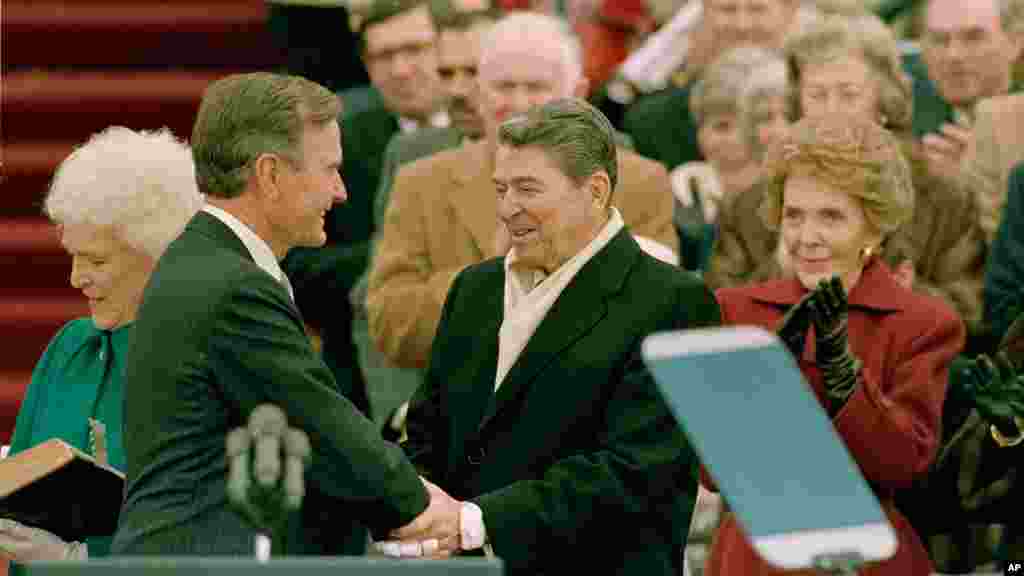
<point x="80" y="376"/>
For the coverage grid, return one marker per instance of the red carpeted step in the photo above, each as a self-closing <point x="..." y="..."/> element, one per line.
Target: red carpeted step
<point x="28" y="169"/>
<point x="71" y="106"/>
<point x="31" y="259"/>
<point x="12" y="390"/>
<point x="174" y="34"/>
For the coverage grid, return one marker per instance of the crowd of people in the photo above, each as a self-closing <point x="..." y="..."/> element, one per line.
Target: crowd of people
<point x="444" y="276"/>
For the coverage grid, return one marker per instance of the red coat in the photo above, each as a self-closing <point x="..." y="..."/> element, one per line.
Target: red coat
<point x="891" y="423"/>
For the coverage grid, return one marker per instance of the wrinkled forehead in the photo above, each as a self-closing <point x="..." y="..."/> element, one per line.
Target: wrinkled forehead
<point x="749" y="5"/>
<point x="954" y="15"/>
<point x="409" y="28"/>
<point x="523" y="63"/>
<point x="459" y="47"/>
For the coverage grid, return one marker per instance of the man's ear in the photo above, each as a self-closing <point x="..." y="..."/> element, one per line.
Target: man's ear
<point x="600" y="188"/>
<point x="1017" y="47"/>
<point x="267" y="171"/>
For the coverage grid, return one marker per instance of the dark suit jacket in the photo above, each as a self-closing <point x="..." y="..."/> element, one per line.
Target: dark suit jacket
<point x="215" y="337"/>
<point x="576" y="458"/>
<point x="1004" y="274"/>
<point x="323" y="277"/>
<point x="662" y="127"/>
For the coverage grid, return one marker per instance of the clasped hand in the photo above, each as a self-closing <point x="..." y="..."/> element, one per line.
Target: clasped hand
<point x="825" y="307"/>
<point x="435" y="533"/>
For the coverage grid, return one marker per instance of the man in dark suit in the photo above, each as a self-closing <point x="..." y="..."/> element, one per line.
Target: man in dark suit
<point x="398" y="43"/>
<point x="458" y="50"/>
<point x="1004" y="275"/>
<point x="552" y="432"/>
<point x="218" y="334"/>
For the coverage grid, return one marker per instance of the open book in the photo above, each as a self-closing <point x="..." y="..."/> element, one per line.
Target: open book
<point x="56" y="487"/>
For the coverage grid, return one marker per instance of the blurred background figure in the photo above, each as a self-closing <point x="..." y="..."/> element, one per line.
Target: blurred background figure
<point x="460" y="34"/>
<point x="742" y="242"/>
<point x="117" y="201"/>
<point x="318" y="41"/>
<point x="705" y="189"/>
<point x="661" y="124"/>
<point x="398" y="43"/>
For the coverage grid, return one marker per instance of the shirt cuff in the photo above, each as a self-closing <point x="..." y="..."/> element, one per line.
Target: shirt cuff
<point x="471" y="525"/>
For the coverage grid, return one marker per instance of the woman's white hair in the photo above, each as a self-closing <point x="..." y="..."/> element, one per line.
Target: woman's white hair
<point x="141" y="184"/>
<point x="770" y="79"/>
<point x="534" y="29"/>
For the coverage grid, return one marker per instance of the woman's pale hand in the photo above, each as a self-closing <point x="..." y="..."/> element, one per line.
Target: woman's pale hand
<point x="27" y="544"/>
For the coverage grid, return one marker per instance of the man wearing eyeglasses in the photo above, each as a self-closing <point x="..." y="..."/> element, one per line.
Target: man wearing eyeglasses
<point x="397" y="39"/>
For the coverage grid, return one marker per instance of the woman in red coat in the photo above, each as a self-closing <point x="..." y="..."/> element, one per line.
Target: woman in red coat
<point x="876" y="354"/>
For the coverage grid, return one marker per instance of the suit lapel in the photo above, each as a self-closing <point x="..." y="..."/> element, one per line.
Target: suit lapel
<point x="472" y="197"/>
<point x="210" y="226"/>
<point x="578" y="310"/>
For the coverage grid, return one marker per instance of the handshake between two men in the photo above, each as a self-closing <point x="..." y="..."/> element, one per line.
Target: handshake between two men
<point x="446" y="527"/>
<point x="267" y="460"/>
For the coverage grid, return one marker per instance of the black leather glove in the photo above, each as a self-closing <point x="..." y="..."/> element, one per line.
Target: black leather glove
<point x="997" y="392"/>
<point x="792" y="329"/>
<point x="840" y="369"/>
<point x="1010" y="354"/>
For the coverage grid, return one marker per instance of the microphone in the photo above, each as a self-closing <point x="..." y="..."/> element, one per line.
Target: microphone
<point x="298" y="454"/>
<point x="267" y="424"/>
<point x="276" y="456"/>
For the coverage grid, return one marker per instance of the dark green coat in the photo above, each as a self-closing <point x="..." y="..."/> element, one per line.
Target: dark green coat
<point x="215" y="337"/>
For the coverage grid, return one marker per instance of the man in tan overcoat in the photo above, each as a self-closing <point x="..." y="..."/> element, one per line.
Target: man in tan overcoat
<point x="443" y="211"/>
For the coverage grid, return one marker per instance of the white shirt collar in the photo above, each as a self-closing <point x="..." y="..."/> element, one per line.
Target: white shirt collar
<point x="438" y="119"/>
<point x="530" y="279"/>
<point x="257" y="247"/>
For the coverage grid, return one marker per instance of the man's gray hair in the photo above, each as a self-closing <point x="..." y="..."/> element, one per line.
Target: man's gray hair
<point x="243" y="116"/>
<point x="140" y="184"/>
<point x="575" y="135"/>
<point x="527" y="28"/>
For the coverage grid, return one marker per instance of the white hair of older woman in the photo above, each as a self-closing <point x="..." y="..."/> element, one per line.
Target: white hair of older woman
<point x="770" y="79"/>
<point x="533" y="29"/>
<point x="140" y="184"/>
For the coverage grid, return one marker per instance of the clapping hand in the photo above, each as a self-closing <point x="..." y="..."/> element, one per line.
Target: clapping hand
<point x="997" y="392"/>
<point x="1010" y="354"/>
<point x="792" y="329"/>
<point x="829" y="311"/>
<point x="943" y="150"/>
<point x="839" y="367"/>
<point x="436" y="533"/>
